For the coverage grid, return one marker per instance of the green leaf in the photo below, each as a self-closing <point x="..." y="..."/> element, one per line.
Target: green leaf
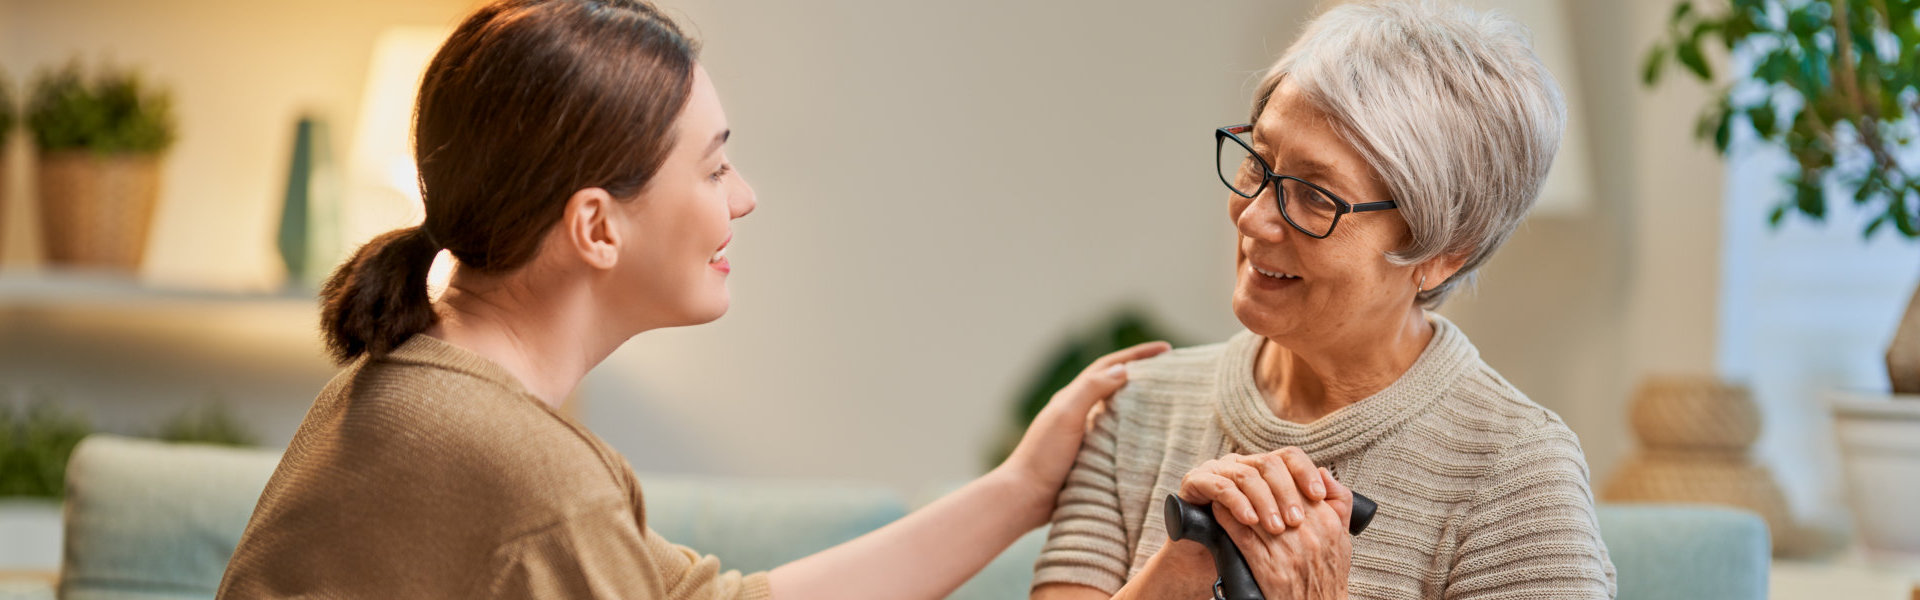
<point x="1656" y="58"/>
<point x="1681" y="11"/>
<point x="1722" y="133"/>
<point x="1809" y="18"/>
<point x="111" y="114"/>
<point x="1776" y="67"/>
<point x="1870" y="185"/>
<point x="1903" y="219"/>
<point x="1734" y="29"/>
<point x="1779" y="213"/>
<point x="1762" y="118"/>
<point x="1689" y="54"/>
<point x="1874" y="225"/>
<point x="1807" y="197"/>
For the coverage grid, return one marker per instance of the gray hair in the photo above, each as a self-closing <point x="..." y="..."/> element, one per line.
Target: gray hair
<point x="1450" y="107"/>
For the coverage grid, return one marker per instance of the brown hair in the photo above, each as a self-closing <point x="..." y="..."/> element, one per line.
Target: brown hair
<point x="528" y="102"/>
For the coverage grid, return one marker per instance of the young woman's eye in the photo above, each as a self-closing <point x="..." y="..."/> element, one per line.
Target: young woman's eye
<point x="724" y="169"/>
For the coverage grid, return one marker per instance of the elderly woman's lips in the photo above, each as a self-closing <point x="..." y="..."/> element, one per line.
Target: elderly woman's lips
<point x="1274" y="274"/>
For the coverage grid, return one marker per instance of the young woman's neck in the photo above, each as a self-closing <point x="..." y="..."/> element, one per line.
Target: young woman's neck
<point x="548" y="340"/>
<point x="1305" y="381"/>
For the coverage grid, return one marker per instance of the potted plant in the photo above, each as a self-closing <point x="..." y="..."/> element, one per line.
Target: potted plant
<point x="36" y="441"/>
<point x="100" y="143"/>
<point x="1836" y="83"/>
<point x="34" y="445"/>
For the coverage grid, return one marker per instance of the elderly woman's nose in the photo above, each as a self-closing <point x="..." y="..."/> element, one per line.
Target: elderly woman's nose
<point x="1260" y="218"/>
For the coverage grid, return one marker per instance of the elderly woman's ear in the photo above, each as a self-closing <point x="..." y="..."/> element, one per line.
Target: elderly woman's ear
<point x="1437" y="271"/>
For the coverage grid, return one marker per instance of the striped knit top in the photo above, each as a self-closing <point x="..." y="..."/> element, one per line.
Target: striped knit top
<point x="1482" y="493"/>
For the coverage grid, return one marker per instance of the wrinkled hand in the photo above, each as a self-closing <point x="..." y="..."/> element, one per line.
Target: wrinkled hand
<point x="1048" y="449"/>
<point x="1288" y="517"/>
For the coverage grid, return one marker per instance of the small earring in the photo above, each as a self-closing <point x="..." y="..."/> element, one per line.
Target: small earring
<point x="1423" y="284"/>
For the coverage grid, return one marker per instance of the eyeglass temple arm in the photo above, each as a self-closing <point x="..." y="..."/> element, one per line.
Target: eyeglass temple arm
<point x="1373" y="206"/>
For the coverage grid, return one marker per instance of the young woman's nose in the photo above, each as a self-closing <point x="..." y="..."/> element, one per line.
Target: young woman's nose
<point x="741" y="201"/>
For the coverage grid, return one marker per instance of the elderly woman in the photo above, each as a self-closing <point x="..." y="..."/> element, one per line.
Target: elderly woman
<point x="1393" y="149"/>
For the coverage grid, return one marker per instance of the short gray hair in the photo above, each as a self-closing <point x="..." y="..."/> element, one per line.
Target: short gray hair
<point x="1450" y="107"/>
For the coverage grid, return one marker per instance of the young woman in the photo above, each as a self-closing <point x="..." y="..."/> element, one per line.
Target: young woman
<point x="571" y="155"/>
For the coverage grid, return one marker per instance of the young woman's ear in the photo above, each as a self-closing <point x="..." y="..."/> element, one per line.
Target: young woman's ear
<point x="589" y="229"/>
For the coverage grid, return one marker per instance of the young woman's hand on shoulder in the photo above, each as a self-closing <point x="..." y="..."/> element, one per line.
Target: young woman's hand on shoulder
<point x="1048" y="449"/>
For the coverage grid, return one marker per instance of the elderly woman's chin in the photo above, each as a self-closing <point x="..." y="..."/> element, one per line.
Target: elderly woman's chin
<point x="1267" y="306"/>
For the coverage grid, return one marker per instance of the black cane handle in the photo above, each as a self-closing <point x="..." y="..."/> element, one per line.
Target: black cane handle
<point x="1190" y="522"/>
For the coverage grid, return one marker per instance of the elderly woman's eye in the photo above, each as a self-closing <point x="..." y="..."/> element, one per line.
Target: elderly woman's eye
<point x="1250" y="173"/>
<point x="1318" y="202"/>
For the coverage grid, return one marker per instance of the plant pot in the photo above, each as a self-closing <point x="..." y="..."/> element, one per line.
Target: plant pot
<point x="96" y="210"/>
<point x="1903" y="355"/>
<point x="1879" y="438"/>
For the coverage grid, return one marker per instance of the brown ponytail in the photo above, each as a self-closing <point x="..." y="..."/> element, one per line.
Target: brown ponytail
<point x="528" y="102"/>
<point x="379" y="297"/>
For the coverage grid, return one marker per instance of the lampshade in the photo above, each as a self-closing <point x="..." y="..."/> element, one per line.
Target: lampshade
<point x="383" y="183"/>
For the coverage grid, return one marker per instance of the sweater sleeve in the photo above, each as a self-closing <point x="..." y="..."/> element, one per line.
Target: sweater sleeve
<point x="600" y="555"/>
<point x="1532" y="531"/>
<point x="1087" y="544"/>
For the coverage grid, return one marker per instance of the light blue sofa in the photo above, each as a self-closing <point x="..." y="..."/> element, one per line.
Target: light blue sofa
<point x="155" y="521"/>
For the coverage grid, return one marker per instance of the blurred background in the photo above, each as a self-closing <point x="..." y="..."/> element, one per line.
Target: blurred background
<point x="954" y="196"/>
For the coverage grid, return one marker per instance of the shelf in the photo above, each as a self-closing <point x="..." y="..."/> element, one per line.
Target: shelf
<point x="102" y="290"/>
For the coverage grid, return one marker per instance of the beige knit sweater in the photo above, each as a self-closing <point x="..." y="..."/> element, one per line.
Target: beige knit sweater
<point x="431" y="473"/>
<point x="1483" y="494"/>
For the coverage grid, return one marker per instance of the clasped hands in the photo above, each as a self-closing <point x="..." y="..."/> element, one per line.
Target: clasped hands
<point x="1288" y="516"/>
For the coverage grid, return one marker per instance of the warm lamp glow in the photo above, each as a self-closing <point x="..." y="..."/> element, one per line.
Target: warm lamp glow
<point x="383" y="183"/>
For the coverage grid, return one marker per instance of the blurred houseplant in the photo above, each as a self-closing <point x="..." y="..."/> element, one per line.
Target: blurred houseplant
<point x="1124" y="327"/>
<point x="100" y="141"/>
<point x="1843" y="101"/>
<point x="211" y="423"/>
<point x="36" y="442"/>
<point x="1836" y="83"/>
<point x="34" y="446"/>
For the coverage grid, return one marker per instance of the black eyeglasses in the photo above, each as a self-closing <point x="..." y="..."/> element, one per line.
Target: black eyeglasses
<point x="1307" y="207"/>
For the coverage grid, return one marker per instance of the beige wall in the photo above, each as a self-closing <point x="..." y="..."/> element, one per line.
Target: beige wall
<point x="946" y="190"/>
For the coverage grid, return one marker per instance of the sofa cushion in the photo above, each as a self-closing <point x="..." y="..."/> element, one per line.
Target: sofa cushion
<point x="1691" y="552"/>
<point x="155" y="521"/>
<point x="152" y="520"/>
<point x="756" y="525"/>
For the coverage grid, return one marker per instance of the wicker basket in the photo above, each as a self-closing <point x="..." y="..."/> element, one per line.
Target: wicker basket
<point x="1696" y="435"/>
<point x="96" y="211"/>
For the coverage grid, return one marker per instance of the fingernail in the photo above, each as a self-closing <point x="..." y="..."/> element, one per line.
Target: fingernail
<point x="1274" y="525"/>
<point x="1119" y="370"/>
<point x="1297" y="514"/>
<point x="1319" y="490"/>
